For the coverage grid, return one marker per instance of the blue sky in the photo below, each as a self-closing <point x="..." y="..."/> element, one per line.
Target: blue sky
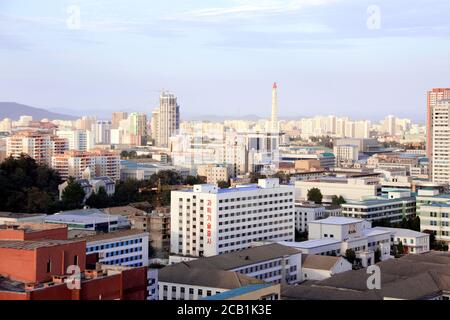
<point x="221" y="56"/>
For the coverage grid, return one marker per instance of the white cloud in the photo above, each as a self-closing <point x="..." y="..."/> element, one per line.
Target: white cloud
<point x="244" y="9"/>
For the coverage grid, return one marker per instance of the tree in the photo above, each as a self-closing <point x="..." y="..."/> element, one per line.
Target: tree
<point x="28" y="187"/>
<point x="377" y="255"/>
<point x="127" y="192"/>
<point x="255" y="176"/>
<point x="400" y="248"/>
<point x="192" y="180"/>
<point x="301" y="236"/>
<point x="315" y="196"/>
<point x="99" y="200"/>
<point x="73" y="195"/>
<point x="350" y="255"/>
<point x="223" y="184"/>
<point x="338" y="200"/>
<point x="284" y="178"/>
<point x="38" y="201"/>
<point x="432" y="237"/>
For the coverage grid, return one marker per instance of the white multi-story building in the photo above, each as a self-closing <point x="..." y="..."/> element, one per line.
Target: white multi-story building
<point x="346" y="153"/>
<point x="74" y="163"/>
<point x="127" y="248"/>
<point x="166" y="119"/>
<point x="306" y="212"/>
<point x="78" y="140"/>
<point x="396" y="206"/>
<point x="413" y="242"/>
<point x="214" y="173"/>
<point x="89" y="220"/>
<point x="208" y="221"/>
<point x="440" y="161"/>
<point x="152" y="284"/>
<point x="433" y="209"/>
<point x="349" y="188"/>
<point x="335" y="235"/>
<point x="39" y="146"/>
<point x="182" y="282"/>
<point x="102" y="132"/>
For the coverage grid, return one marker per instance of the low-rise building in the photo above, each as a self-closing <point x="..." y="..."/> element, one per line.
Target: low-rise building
<point x="264" y="291"/>
<point x="433" y="208"/>
<point x="272" y="263"/>
<point x="412" y="241"/>
<point x="351" y="189"/>
<point x="181" y="282"/>
<point x="318" y="268"/>
<point x="306" y="212"/>
<point x="11" y="217"/>
<point x="124" y="248"/>
<point x="89" y="219"/>
<point x="156" y="223"/>
<point x="152" y="284"/>
<point x="333" y="236"/>
<point x="412" y="277"/>
<point x="393" y="208"/>
<point x="37" y="262"/>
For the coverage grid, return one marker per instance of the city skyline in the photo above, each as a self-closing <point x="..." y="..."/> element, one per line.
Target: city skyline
<point x="335" y="58"/>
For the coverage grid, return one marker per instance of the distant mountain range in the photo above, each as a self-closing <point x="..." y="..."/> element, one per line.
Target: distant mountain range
<point x="14" y="110"/>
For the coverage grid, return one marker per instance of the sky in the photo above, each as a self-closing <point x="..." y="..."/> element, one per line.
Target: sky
<point x="363" y="59"/>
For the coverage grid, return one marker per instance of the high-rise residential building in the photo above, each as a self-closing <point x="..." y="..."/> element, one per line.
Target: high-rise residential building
<point x="433" y="96"/>
<point x="208" y="221"/>
<point x="74" y="163"/>
<point x="168" y="119"/>
<point x="138" y="128"/>
<point x="39" y="146"/>
<point x="390" y="125"/>
<point x="86" y="123"/>
<point x="236" y="153"/>
<point x="78" y="140"/>
<point x="103" y="132"/>
<point x="440" y="142"/>
<point x="116" y="118"/>
<point x="154" y="125"/>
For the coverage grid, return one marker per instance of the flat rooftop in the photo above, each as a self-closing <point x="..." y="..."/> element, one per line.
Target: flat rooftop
<point x="13" y="215"/>
<point x="29" y="227"/>
<point x="337" y="221"/>
<point x="403" y="232"/>
<point x="82" y="216"/>
<point x="112" y="235"/>
<point x="238" y="259"/>
<point x="309" y="244"/>
<point x="32" y="245"/>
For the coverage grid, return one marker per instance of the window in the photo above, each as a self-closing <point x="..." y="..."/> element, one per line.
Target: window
<point x="49" y="266"/>
<point x="75" y="260"/>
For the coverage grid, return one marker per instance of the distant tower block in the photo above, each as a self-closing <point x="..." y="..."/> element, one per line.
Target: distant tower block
<point x="274" y="107"/>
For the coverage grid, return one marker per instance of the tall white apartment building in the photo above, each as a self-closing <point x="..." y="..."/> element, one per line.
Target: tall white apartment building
<point x="102" y="132"/>
<point x="166" y="119"/>
<point x="78" y="140"/>
<point x="440" y="161"/>
<point x="208" y="221"/>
